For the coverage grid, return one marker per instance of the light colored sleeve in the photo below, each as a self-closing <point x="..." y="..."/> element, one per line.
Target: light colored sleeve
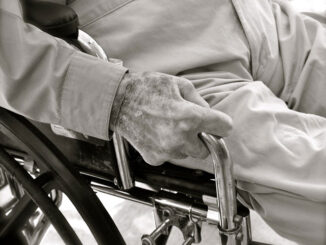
<point x="279" y="159"/>
<point x="274" y="146"/>
<point x="279" y="156"/>
<point x="44" y="79"/>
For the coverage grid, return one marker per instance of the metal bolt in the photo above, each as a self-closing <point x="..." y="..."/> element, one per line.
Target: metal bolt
<point x="199" y="172"/>
<point x="166" y="213"/>
<point x="115" y="181"/>
<point x="145" y="240"/>
<point x="239" y="236"/>
<point x="237" y="219"/>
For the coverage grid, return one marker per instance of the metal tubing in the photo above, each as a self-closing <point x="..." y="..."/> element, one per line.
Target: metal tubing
<point x="246" y="231"/>
<point x="122" y="162"/>
<point x="90" y="46"/>
<point x="189" y="241"/>
<point x="121" y="194"/>
<point x="186" y="208"/>
<point x="158" y="231"/>
<point x="224" y="181"/>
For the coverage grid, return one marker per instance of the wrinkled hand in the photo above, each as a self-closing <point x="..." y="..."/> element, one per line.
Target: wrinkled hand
<point x="162" y="115"/>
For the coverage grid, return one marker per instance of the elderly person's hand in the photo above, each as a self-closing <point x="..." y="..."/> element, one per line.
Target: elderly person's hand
<point x="162" y="115"/>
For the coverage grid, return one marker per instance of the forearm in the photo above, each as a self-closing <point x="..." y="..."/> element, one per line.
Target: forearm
<point x="46" y="80"/>
<point x="274" y="146"/>
<point x="279" y="156"/>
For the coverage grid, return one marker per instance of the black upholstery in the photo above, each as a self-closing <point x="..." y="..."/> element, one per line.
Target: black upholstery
<point x="57" y="20"/>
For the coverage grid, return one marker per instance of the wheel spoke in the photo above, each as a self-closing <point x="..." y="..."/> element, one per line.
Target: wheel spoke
<point x="25" y="208"/>
<point x="37" y="194"/>
<point x="18" y="216"/>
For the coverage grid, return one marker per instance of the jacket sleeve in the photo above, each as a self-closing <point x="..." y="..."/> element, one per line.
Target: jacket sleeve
<point x="45" y="79"/>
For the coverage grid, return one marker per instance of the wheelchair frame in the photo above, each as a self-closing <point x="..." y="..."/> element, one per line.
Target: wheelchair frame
<point x="40" y="170"/>
<point x="232" y="228"/>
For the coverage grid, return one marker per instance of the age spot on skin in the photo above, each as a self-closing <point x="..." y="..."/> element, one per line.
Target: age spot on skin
<point x="138" y="113"/>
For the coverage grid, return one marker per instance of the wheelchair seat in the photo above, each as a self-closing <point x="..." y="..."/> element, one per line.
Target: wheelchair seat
<point x="58" y="20"/>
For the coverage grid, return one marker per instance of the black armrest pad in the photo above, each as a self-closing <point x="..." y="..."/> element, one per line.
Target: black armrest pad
<point x="57" y="20"/>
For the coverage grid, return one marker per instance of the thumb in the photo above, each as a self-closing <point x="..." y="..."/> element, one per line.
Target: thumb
<point x="215" y="122"/>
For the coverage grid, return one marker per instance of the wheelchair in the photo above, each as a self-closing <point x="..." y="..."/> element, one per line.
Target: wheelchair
<point x="39" y="163"/>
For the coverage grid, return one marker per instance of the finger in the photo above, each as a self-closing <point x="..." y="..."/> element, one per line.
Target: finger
<point x="189" y="93"/>
<point x="196" y="148"/>
<point x="215" y="122"/>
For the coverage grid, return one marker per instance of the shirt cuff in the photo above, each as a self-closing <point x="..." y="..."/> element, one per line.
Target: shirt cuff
<point x="88" y="93"/>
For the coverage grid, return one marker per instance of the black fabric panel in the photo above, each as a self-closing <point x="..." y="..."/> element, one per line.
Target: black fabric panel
<point x="57" y="20"/>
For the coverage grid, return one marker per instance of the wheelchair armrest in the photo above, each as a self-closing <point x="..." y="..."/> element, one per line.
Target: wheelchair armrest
<point x="55" y="19"/>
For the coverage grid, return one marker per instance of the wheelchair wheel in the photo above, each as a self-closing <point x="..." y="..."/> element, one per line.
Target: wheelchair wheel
<point x="40" y="188"/>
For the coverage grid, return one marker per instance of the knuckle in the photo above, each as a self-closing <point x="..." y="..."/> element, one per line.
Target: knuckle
<point x="185" y="126"/>
<point x="189" y="120"/>
<point x="165" y="145"/>
<point x="153" y="159"/>
<point x="172" y="146"/>
<point x="157" y="162"/>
